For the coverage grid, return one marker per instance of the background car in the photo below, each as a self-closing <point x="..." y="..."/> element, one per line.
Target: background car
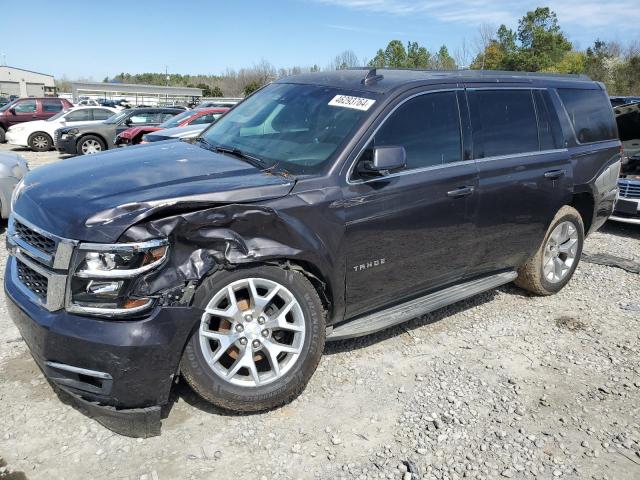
<point x="202" y="116"/>
<point x="38" y="135"/>
<point x="4" y="101"/>
<point x="12" y="168"/>
<point x="218" y="104"/>
<point x="93" y="138"/>
<point x="89" y="102"/>
<point x="29" y="109"/>
<point x="190" y="131"/>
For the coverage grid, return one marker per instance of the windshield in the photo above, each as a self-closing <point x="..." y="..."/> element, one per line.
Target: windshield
<point x="61" y="113"/>
<point x="298" y="127"/>
<point x="7" y="106"/>
<point x="175" y="121"/>
<point x="116" y="117"/>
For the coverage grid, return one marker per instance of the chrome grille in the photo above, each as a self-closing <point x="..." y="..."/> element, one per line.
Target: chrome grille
<point x="36" y="240"/>
<point x="629" y="188"/>
<point x="36" y="283"/>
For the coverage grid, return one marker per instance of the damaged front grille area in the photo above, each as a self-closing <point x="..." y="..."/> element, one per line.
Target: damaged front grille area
<point x="35" y="239"/>
<point x="40" y="262"/>
<point x="629" y="188"/>
<point x="35" y="282"/>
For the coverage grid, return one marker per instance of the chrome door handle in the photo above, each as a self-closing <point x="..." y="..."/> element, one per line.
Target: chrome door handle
<point x="460" y="192"/>
<point x="554" y="174"/>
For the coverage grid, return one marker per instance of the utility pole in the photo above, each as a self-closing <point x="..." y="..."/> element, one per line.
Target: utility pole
<point x="166" y="76"/>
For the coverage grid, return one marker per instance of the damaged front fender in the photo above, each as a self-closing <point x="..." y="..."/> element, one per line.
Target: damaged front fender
<point x="222" y="237"/>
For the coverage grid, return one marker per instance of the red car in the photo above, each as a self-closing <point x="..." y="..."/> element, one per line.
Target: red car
<point x="133" y="136"/>
<point x="28" y="109"/>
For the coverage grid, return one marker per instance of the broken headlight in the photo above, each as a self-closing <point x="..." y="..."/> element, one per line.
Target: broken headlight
<point x="103" y="275"/>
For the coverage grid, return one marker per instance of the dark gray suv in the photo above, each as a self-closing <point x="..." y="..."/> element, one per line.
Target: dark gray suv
<point x="325" y="206"/>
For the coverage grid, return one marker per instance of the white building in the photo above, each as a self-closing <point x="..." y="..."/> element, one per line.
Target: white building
<point x="25" y="83"/>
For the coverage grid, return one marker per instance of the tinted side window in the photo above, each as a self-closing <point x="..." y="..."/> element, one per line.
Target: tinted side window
<point x="26" y="106"/>
<point x="78" y="116"/>
<point x="548" y="123"/>
<point x="51" y="106"/>
<point x="503" y="122"/>
<point x="590" y="114"/>
<point x="428" y="127"/>
<point x="101" y="114"/>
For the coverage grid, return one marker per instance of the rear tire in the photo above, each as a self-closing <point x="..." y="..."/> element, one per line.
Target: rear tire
<point x="90" y="144"/>
<point x="40" y="142"/>
<point x="554" y="263"/>
<point x="229" y="360"/>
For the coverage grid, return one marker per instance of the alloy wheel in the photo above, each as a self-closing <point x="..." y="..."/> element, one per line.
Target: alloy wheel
<point x="252" y="332"/>
<point x="560" y="252"/>
<point x="91" y="146"/>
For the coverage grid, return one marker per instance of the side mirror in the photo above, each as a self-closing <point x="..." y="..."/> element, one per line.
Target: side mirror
<point x="12" y="110"/>
<point x="384" y="160"/>
<point x="128" y="122"/>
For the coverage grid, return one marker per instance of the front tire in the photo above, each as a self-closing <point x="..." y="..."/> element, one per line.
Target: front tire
<point x="554" y="263"/>
<point x="40" y="142"/>
<point x="90" y="144"/>
<point x="259" y="340"/>
<point x="2" y="134"/>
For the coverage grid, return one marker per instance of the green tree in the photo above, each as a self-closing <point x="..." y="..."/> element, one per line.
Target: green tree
<point x="417" y="56"/>
<point x="251" y="87"/>
<point x="216" y="91"/>
<point x="538" y="44"/>
<point x="395" y="55"/>
<point x="542" y="43"/>
<point x="206" y="90"/>
<point x="444" y="61"/>
<point x="597" y="61"/>
<point x="379" y="60"/>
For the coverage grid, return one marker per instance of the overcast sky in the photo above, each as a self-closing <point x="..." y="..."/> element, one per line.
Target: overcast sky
<point x="82" y="38"/>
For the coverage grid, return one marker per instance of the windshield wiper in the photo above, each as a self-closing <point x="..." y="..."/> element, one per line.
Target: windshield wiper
<point x="236" y="152"/>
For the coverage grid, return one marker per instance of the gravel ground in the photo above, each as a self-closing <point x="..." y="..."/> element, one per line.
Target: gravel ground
<point x="503" y="385"/>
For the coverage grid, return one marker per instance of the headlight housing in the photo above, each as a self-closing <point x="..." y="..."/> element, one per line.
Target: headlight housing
<point x="17" y="190"/>
<point x="103" y="274"/>
<point x="72" y="132"/>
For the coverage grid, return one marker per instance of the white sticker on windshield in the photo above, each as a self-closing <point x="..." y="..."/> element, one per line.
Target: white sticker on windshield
<point x="357" y="103"/>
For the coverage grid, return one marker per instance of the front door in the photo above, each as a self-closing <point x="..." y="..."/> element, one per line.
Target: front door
<point x="23" y="111"/>
<point x="411" y="231"/>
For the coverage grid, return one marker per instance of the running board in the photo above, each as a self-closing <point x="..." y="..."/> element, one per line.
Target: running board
<point x="412" y="309"/>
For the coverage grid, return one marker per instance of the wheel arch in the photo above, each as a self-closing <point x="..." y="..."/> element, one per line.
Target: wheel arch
<point x="92" y="134"/>
<point x="584" y="203"/>
<point x="31" y="135"/>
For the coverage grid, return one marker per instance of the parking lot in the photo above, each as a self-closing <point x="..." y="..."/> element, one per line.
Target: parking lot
<point x="504" y="385"/>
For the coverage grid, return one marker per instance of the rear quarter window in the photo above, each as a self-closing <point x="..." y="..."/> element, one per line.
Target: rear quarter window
<point x="590" y="114"/>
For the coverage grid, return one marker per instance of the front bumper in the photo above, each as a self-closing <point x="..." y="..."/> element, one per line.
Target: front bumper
<point x="16" y="138"/>
<point x="66" y="145"/>
<point x="627" y="210"/>
<point x="122" y="364"/>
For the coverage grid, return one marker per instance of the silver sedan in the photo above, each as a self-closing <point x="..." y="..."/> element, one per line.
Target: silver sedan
<point x="12" y="168"/>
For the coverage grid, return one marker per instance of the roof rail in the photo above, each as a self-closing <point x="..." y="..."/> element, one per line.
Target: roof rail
<point x="479" y="73"/>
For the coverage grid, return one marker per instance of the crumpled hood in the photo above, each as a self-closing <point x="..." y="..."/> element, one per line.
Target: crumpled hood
<point x="97" y="197"/>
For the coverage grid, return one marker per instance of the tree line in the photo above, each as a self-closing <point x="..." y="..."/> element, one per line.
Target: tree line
<point x="537" y="45"/>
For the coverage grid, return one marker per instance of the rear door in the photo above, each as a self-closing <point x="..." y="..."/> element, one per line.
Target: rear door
<point x="49" y="107"/>
<point x="525" y="173"/>
<point x="411" y="231"/>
